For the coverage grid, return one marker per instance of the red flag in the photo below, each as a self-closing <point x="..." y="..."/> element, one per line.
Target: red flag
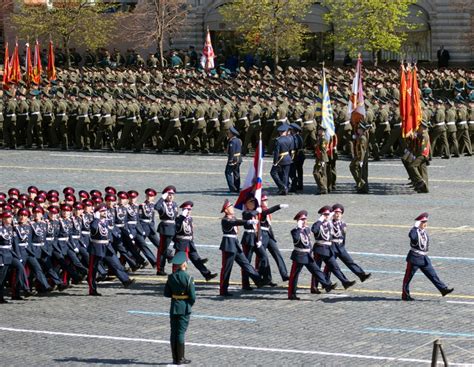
<point x="407" y="122"/>
<point x="416" y="110"/>
<point x="28" y="66"/>
<point x="37" y="67"/>
<point x="14" y="69"/>
<point x="356" y="108"/>
<point x="51" y="67"/>
<point x="207" y="59"/>
<point x="6" y="69"/>
<point x="403" y="93"/>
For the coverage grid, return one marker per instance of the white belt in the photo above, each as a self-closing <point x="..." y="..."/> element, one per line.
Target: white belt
<point x="451" y="123"/>
<point x="307" y="250"/>
<point x="243" y="118"/>
<point x="6" y="247"/>
<point x="82" y="116"/>
<point x="100" y="242"/>
<point x="471" y="122"/>
<point x="85" y="232"/>
<point x="214" y="120"/>
<point x="346" y="123"/>
<point x="120" y="117"/>
<point x="440" y="123"/>
<point x="47" y="114"/>
<point x="419" y="252"/>
<point x="132" y="222"/>
<point x="249" y="230"/>
<point x="75" y="237"/>
<point x="337" y="241"/>
<point x="462" y="122"/>
<point x="10" y="115"/>
<point x="384" y="123"/>
<point x="98" y="115"/>
<point x="145" y="220"/>
<point x="226" y="120"/>
<point x="200" y="119"/>
<point x="73" y="114"/>
<point x="184" y="237"/>
<point x="167" y="221"/>
<point x="133" y="118"/>
<point x="63" y="238"/>
<point x="282" y="120"/>
<point x="265" y="229"/>
<point x="38" y="244"/>
<point x="49" y="238"/>
<point x="254" y="122"/>
<point x="23" y="114"/>
<point x="189" y="119"/>
<point x="308" y="122"/>
<point x="230" y="235"/>
<point x="399" y="124"/>
<point x="120" y="225"/>
<point x="176" y="119"/>
<point x="154" y="118"/>
<point x="270" y="120"/>
<point x="60" y="114"/>
<point x="23" y="244"/>
<point x="107" y="115"/>
<point x="298" y="120"/>
<point x="323" y="243"/>
<point x="35" y="113"/>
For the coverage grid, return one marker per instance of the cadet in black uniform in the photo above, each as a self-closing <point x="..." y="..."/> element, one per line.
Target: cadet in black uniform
<point x="6" y="249"/>
<point x="234" y="159"/>
<point x="298" y="156"/>
<point x="168" y="211"/>
<point x="282" y="159"/>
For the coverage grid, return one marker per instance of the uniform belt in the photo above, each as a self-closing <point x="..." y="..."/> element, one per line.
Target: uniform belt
<point x="61" y="114"/>
<point x="184" y="237"/>
<point x="236" y="154"/>
<point x="398" y="124"/>
<point x="6" y="247"/>
<point x="384" y="123"/>
<point x="82" y="116"/>
<point x="230" y="235"/>
<point x="307" y="250"/>
<point x="255" y="122"/>
<point x="38" y="244"/>
<point x="100" y="242"/>
<point x="23" y="244"/>
<point x="243" y="118"/>
<point x="107" y="115"/>
<point x="249" y="230"/>
<point x="265" y="229"/>
<point x="226" y="120"/>
<point x="471" y="122"/>
<point x="133" y="118"/>
<point x="76" y="237"/>
<point x="298" y="120"/>
<point x="200" y="119"/>
<point x="86" y="232"/>
<point x="167" y="221"/>
<point x="132" y="222"/>
<point x="419" y="252"/>
<point x="283" y="154"/>
<point x="440" y="123"/>
<point x="145" y="220"/>
<point x="49" y="238"/>
<point x="63" y="238"/>
<point x="214" y="120"/>
<point x="47" y="114"/>
<point x="120" y="117"/>
<point x="307" y="122"/>
<point x="323" y="243"/>
<point x="10" y="114"/>
<point x="282" y="120"/>
<point x="346" y="123"/>
<point x="270" y="120"/>
<point x="337" y="240"/>
<point x="23" y="114"/>
<point x="180" y="296"/>
<point x="154" y="118"/>
<point x="35" y="113"/>
<point x="73" y="114"/>
<point x="462" y="122"/>
<point x="120" y="225"/>
<point x="176" y="119"/>
<point x="451" y="123"/>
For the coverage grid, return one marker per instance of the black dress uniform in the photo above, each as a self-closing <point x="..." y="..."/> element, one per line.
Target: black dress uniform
<point x="232" y="251"/>
<point x="418" y="258"/>
<point x="168" y="211"/>
<point x="234" y="160"/>
<point x="146" y="216"/>
<point x="99" y="240"/>
<point x="6" y="255"/>
<point x="298" y="156"/>
<point x="282" y="160"/>
<point x="301" y="256"/>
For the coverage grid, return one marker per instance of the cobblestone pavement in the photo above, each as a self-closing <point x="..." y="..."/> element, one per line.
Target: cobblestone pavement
<point x="367" y="325"/>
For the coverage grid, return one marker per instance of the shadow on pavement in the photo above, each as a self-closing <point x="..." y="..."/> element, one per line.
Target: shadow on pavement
<point x="110" y="361"/>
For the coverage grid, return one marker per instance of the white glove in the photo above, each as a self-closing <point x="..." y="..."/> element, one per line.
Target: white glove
<point x="284" y="206"/>
<point x="322" y="164"/>
<point x="300" y="223"/>
<point x="97" y="215"/>
<point x="259" y="244"/>
<point x="322" y="218"/>
<point x="361" y="163"/>
<point x="417" y="224"/>
<point x="131" y="236"/>
<point x="252" y="222"/>
<point x="76" y="250"/>
<point x="185" y="212"/>
<point x="164" y="196"/>
<point x="331" y="216"/>
<point x="258" y="210"/>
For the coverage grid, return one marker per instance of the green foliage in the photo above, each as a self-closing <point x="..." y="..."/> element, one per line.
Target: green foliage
<point x="81" y="22"/>
<point x="370" y="25"/>
<point x="269" y="27"/>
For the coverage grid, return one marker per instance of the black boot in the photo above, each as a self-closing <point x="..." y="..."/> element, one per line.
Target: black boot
<point x="174" y="352"/>
<point x="180" y="354"/>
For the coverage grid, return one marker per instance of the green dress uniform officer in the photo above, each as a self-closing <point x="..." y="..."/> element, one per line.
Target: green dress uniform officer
<point x="61" y="120"/>
<point x="180" y="288"/>
<point x="359" y="163"/>
<point x="9" y="126"/>
<point x="439" y="131"/>
<point x="417" y="167"/>
<point x="463" y="131"/>
<point x="451" y="115"/>
<point x="321" y="156"/>
<point x="34" y="131"/>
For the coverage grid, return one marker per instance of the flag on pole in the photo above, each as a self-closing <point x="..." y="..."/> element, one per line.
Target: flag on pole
<point x="6" y="69"/>
<point x="403" y="92"/>
<point x="28" y="65"/>
<point x="51" y="68"/>
<point x="37" y="67"/>
<point x="327" y="118"/>
<point x="356" y="108"/>
<point x="253" y="181"/>
<point x="207" y="59"/>
<point x="14" y="68"/>
<point x="410" y="102"/>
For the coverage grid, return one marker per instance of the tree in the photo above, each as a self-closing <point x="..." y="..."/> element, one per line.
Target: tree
<point x="371" y="25"/>
<point x="271" y="27"/>
<point x="153" y="20"/>
<point x="83" y="22"/>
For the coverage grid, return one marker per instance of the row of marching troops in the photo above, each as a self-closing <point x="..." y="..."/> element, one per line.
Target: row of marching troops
<point x="49" y="242"/>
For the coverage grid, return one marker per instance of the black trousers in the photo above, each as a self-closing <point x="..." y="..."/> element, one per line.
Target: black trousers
<point x="232" y="176"/>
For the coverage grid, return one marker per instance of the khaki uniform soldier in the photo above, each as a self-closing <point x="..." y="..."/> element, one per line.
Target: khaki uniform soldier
<point x="213" y="126"/>
<point x="269" y="123"/>
<point x="173" y="135"/>
<point x="471" y="120"/>
<point x="280" y="118"/>
<point x="131" y="123"/>
<point x="253" y="131"/>
<point x="439" y="132"/>
<point x="309" y="125"/>
<point x="105" y="125"/>
<point x="360" y="160"/>
<point x="344" y="131"/>
<point x="418" y="159"/>
<point x="451" y="116"/>
<point x="321" y="155"/>
<point x="152" y="126"/>
<point x="120" y="118"/>
<point x="226" y="122"/>
<point x="242" y="120"/>
<point x="187" y="118"/>
<point x="22" y="118"/>
<point x="395" y="136"/>
<point x="371" y="113"/>
<point x="9" y="126"/>
<point x="73" y="104"/>
<point x="463" y="137"/>
<point x="61" y="121"/>
<point x="95" y="116"/>
<point x="382" y="130"/>
<point x="34" y="130"/>
<point x="198" y="137"/>
<point x="82" y="132"/>
<point x="47" y="110"/>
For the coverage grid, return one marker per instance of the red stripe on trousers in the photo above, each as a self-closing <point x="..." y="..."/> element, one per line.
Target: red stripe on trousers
<point x="89" y="274"/>
<point x="224" y="260"/>
<point x="292" y="286"/>
<point x="405" y="278"/>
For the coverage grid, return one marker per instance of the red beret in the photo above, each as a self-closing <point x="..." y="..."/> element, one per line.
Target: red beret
<point x="30" y="204"/>
<point x="70" y="197"/>
<point x="3" y="195"/>
<point x="110" y="198"/>
<point x="97" y="200"/>
<point x="53" y="193"/>
<point x="169" y="189"/>
<point x="423" y="217"/>
<point x="66" y="207"/>
<point x="150" y="192"/>
<point x="13" y="191"/>
<point x="132" y="194"/>
<point x="226" y="204"/>
<point x="7" y="214"/>
<point x="84" y="194"/>
<point x="7" y="207"/>
<point x="78" y="206"/>
<point x="39" y="199"/>
<point x="110" y="190"/>
<point x="101" y="208"/>
<point x="87" y="202"/>
<point x="187" y="205"/>
<point x="52" y="198"/>
<point x="122" y="195"/>
<point x="32" y="190"/>
<point x="53" y="209"/>
<point x="95" y="193"/>
<point x="68" y="190"/>
<point x="42" y="193"/>
<point x="302" y="214"/>
<point x="23" y="197"/>
<point x="18" y="204"/>
<point x="38" y="209"/>
<point x="25" y="212"/>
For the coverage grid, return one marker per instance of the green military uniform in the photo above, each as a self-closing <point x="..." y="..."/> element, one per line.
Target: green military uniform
<point x="152" y="123"/>
<point x="382" y="130"/>
<point x="49" y="134"/>
<point x="439" y="132"/>
<point x="213" y="126"/>
<point x="9" y="126"/>
<point x="463" y="137"/>
<point x="73" y="104"/>
<point x="321" y="155"/>
<point x="418" y="159"/>
<point x="359" y="163"/>
<point x="395" y="133"/>
<point x="198" y="137"/>
<point x="105" y="124"/>
<point x="309" y="125"/>
<point x="451" y="115"/>
<point x="268" y="124"/>
<point x="173" y="135"/>
<point x="61" y="121"/>
<point x="82" y="130"/>
<point x="180" y="288"/>
<point x="34" y="130"/>
<point x="226" y="122"/>
<point x="253" y="131"/>
<point x="22" y="118"/>
<point x="131" y="124"/>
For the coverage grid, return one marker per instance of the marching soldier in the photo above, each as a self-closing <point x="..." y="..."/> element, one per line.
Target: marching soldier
<point x="321" y="156"/>
<point x="463" y="131"/>
<point x="360" y="161"/>
<point x="61" y="121"/>
<point x="282" y="159"/>
<point x="168" y="211"/>
<point x="82" y="129"/>
<point x="234" y="160"/>
<point x="6" y="249"/>
<point x="298" y="157"/>
<point x="417" y="258"/>
<point x="439" y="131"/>
<point x="451" y="115"/>
<point x="9" y="126"/>
<point x="34" y="130"/>
<point x="418" y="160"/>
